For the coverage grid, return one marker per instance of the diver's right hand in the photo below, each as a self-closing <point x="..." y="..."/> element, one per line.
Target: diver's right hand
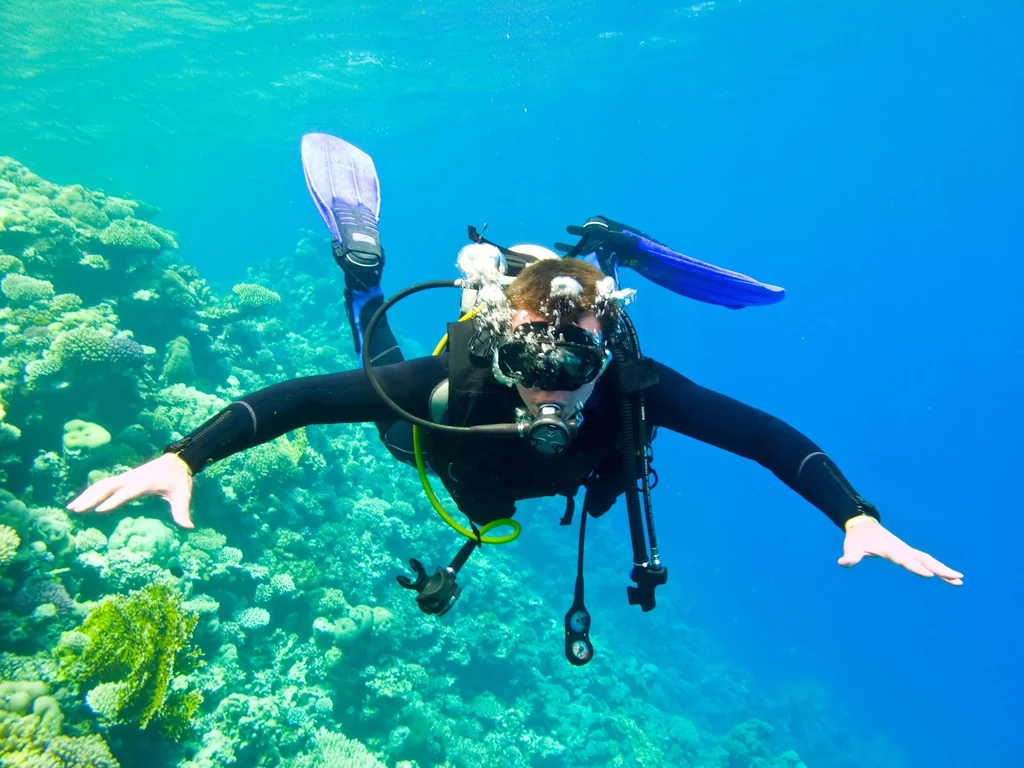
<point x="167" y="476"/>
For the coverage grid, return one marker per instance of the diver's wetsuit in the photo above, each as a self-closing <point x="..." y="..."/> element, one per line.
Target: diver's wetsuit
<point x="675" y="403"/>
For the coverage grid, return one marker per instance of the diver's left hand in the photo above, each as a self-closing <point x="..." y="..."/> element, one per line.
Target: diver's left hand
<point x="867" y="536"/>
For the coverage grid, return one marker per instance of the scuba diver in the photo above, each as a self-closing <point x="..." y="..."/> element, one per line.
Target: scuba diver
<point x="539" y="389"/>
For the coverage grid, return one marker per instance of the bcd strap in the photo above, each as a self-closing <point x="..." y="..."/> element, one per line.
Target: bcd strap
<point x="636" y="375"/>
<point x="570" y="509"/>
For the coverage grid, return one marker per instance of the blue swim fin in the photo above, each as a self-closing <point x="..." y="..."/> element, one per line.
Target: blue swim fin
<point x="337" y="171"/>
<point x="342" y="180"/>
<point x="615" y="245"/>
<point x="343" y="183"/>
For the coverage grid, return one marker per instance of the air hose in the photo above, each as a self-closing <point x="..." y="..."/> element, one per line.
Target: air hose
<point x="432" y="497"/>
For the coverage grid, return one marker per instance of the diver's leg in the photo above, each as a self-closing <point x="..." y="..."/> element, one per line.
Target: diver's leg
<point x="361" y="257"/>
<point x="343" y="183"/>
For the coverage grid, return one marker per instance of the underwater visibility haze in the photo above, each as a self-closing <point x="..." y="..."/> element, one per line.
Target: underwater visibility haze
<point x="162" y="257"/>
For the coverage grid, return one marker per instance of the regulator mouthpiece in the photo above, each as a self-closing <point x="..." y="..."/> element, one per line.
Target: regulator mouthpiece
<point x="551" y="432"/>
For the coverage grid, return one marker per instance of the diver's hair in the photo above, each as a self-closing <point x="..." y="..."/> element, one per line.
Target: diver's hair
<point x="531" y="290"/>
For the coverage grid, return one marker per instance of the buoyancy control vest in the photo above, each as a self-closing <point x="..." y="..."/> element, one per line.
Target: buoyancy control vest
<point x="486" y="476"/>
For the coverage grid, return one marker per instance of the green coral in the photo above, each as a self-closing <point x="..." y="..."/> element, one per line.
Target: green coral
<point x="295" y="447"/>
<point x="22" y="289"/>
<point x="142" y="644"/>
<point x="277" y="458"/>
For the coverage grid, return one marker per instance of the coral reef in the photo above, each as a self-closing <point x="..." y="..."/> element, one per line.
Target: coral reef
<point x="110" y="348"/>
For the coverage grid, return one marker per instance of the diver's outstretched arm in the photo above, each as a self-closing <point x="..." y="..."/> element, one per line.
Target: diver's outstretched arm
<point x="680" y="405"/>
<point x="333" y="398"/>
<point x="336" y="398"/>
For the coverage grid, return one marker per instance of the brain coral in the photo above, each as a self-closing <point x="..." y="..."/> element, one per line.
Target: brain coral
<point x="79" y="434"/>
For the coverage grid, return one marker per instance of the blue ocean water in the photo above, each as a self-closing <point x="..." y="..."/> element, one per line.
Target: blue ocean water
<point x="865" y="156"/>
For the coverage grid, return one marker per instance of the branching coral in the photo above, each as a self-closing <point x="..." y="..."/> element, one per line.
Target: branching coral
<point x="82" y="345"/>
<point x="22" y="289"/>
<point x="339" y="751"/>
<point x="252" y="296"/>
<point x="139" y="646"/>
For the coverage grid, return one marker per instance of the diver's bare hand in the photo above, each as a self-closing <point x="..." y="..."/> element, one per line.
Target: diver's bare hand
<point x="865" y="536"/>
<point x="168" y="477"/>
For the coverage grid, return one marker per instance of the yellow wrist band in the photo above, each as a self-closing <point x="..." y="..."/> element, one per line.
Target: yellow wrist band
<point x="184" y="463"/>
<point x="857" y="521"/>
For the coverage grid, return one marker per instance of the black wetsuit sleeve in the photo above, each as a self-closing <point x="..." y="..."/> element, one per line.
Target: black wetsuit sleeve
<point x="335" y="398"/>
<point x="678" y="404"/>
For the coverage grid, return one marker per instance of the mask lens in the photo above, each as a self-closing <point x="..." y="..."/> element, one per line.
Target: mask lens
<point x="537" y="361"/>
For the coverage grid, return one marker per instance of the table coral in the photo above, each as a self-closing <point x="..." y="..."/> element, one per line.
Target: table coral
<point x="10" y="264"/>
<point x="207" y="539"/>
<point x="136" y="235"/>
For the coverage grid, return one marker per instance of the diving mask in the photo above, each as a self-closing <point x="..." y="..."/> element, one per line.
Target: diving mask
<point x="551" y="358"/>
